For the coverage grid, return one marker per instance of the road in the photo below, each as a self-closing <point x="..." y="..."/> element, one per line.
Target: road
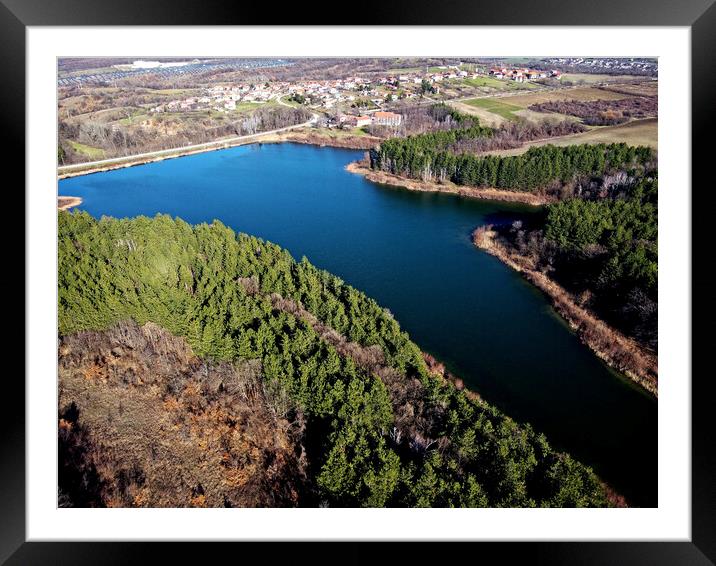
<point x="186" y="148"/>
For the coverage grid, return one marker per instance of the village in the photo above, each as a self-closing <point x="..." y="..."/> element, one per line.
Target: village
<point x="356" y="101"/>
<point x="522" y="75"/>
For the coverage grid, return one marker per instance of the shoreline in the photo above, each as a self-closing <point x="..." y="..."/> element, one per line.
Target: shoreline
<point x="129" y="162"/>
<point x="611" y="346"/>
<point x="346" y="142"/>
<point x="65" y="202"/>
<point x="618" y="351"/>
<point x="384" y="178"/>
<point x="297" y="136"/>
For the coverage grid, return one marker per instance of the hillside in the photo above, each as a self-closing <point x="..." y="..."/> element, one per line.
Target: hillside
<point x="200" y="367"/>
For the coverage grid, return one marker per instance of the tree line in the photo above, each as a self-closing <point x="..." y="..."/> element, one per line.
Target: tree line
<point x="420" y="119"/>
<point x="610" y="246"/>
<point x="426" y="157"/>
<point x="381" y="428"/>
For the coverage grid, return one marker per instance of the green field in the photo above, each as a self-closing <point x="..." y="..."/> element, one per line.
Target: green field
<point x="495" y="106"/>
<point x="484" y="81"/>
<point x="500" y="84"/>
<point x="89" y="151"/>
<point x="241" y="108"/>
<point x="527" y="85"/>
<point x="337" y="132"/>
<point x="248" y="106"/>
<point x="137" y="116"/>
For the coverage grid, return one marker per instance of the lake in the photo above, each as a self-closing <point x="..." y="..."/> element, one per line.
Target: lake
<point x="412" y="252"/>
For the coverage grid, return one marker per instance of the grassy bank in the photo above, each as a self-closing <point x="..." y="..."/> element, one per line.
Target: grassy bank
<point x="349" y="139"/>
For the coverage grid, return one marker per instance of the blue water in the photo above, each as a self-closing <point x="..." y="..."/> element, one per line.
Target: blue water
<point x="412" y="253"/>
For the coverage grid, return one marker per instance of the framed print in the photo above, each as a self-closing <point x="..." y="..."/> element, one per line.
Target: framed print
<point x="361" y="284"/>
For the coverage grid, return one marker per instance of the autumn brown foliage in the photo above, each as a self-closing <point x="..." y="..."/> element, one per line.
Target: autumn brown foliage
<point x="602" y="112"/>
<point x="143" y="422"/>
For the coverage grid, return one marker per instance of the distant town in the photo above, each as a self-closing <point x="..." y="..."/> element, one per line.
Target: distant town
<point x="119" y="107"/>
<point x="361" y="92"/>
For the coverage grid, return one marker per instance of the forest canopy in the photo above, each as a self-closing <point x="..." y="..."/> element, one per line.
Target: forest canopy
<point x="380" y="426"/>
<point x="425" y="157"/>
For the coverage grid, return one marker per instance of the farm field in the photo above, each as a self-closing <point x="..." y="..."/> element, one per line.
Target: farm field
<point x="589" y="78"/>
<point x="482" y="81"/>
<point x="498" y="84"/>
<point x="137" y="116"/>
<point x="486" y="117"/>
<point x="495" y="110"/>
<point x="89" y="151"/>
<point x="586" y="93"/>
<point x="335" y="133"/>
<point x="505" y="110"/>
<point x="103" y="116"/>
<point x="466" y="88"/>
<point x="646" y="88"/>
<point x="636" y="132"/>
<point x="533" y="116"/>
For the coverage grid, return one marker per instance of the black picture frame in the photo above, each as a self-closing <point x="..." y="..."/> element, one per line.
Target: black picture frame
<point x="698" y="15"/>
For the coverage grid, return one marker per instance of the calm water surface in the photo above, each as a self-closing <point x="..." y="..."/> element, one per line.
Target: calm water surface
<point x="412" y="253"/>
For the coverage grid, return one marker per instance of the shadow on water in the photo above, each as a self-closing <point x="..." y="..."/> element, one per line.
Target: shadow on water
<point x="528" y="218"/>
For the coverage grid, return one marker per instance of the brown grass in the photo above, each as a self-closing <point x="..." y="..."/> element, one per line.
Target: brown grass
<point x="637" y="132"/>
<point x="144" y="422"/>
<point x="582" y="93"/>
<point x="646" y="88"/>
<point x="617" y="350"/>
<point x="156" y="426"/>
<point x="332" y="138"/>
